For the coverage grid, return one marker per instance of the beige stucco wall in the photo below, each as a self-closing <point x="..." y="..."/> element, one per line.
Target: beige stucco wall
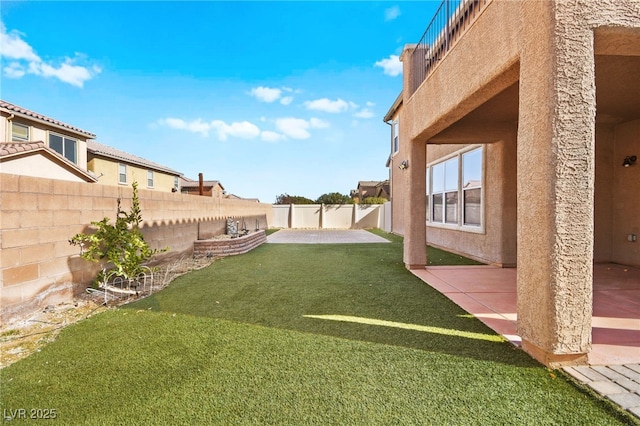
<point x="626" y="195"/>
<point x="496" y="242"/>
<point x="110" y="174"/>
<point x="40" y="132"/>
<point x="563" y="222"/>
<point x="397" y="178"/>
<point x="38" y="266"/>
<point x="37" y="165"/>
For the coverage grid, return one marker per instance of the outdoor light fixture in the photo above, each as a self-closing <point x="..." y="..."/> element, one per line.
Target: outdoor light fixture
<point x="404" y="165"/>
<point x="629" y="160"/>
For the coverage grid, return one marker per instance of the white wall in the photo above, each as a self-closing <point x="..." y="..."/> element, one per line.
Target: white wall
<point x="330" y="216"/>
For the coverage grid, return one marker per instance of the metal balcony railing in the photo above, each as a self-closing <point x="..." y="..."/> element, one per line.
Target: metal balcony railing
<point x="451" y="20"/>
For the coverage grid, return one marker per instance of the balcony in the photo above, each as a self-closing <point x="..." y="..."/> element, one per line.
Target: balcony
<point x="451" y="21"/>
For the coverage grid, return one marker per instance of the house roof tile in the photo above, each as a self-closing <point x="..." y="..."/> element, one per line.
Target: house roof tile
<point x="15" y="149"/>
<point x="115" y="154"/>
<point x="20" y="111"/>
<point x="190" y="183"/>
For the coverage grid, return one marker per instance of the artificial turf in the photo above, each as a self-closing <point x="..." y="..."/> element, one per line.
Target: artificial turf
<point x="296" y="334"/>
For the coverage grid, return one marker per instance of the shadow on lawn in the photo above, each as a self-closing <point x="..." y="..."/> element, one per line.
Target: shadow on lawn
<point x="358" y="292"/>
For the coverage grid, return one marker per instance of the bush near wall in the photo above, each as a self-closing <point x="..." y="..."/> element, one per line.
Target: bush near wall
<point x="39" y="267"/>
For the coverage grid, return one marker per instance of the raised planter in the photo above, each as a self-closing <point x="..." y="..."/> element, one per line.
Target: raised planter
<point x="216" y="247"/>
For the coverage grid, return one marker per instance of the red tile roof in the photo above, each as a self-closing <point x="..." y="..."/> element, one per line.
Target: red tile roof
<point x="18" y="110"/>
<point x="8" y="148"/>
<point x="102" y="150"/>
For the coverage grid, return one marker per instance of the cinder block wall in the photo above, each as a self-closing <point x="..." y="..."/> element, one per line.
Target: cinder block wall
<point x="39" y="267"/>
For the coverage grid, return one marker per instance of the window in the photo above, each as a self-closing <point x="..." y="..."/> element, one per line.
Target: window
<point x="122" y="173"/>
<point x="396" y="137"/>
<point x="150" y="178"/>
<point x="454" y="190"/>
<point x="472" y="187"/>
<point x="19" y="132"/>
<point x="428" y="196"/>
<point x="176" y="184"/>
<point x="64" y="146"/>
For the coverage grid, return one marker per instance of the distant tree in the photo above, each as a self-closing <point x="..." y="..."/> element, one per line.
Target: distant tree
<point x="293" y="199"/>
<point x="334" y="198"/>
<point x="374" y="200"/>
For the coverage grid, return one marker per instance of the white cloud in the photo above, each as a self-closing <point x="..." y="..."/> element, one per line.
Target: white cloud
<point x="73" y="74"/>
<point x="13" y="47"/>
<point x="26" y="61"/>
<point x="298" y="128"/>
<point x="391" y="13"/>
<point x="364" y="113"/>
<point x="14" y="70"/>
<point x="269" y="136"/>
<point x="328" y="105"/>
<point x="370" y="104"/>
<point x="195" y="126"/>
<point x="286" y="100"/>
<point x="266" y="94"/>
<point x="391" y="65"/>
<point x="317" y="123"/>
<point x="242" y="130"/>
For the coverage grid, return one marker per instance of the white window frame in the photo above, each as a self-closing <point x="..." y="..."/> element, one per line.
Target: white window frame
<point x="460" y="222"/>
<point x="65" y="152"/>
<point x="15" y="138"/>
<point x="395" y="136"/>
<point x="122" y="166"/>
<point x="150" y="178"/>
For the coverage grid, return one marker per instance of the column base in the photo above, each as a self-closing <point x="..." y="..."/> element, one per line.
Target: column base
<point x="552" y="360"/>
<point x="411" y="266"/>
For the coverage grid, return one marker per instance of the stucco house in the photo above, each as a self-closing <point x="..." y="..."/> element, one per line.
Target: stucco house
<point x="38" y="160"/>
<point x="210" y="188"/>
<point x="513" y="142"/>
<point x="115" y="167"/>
<point x="370" y="188"/>
<point x="40" y="146"/>
<point x="19" y="125"/>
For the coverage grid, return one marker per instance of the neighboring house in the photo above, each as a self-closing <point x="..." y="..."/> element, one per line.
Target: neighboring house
<point x="37" y="160"/>
<point x="114" y="167"/>
<point x="20" y="125"/>
<point x="209" y="188"/>
<point x="237" y="197"/>
<point x="370" y="188"/>
<point x="515" y="125"/>
<point x="394" y="163"/>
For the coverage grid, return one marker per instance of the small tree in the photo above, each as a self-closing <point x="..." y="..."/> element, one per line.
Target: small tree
<point x="334" y="198"/>
<point x="121" y="245"/>
<point x="292" y="199"/>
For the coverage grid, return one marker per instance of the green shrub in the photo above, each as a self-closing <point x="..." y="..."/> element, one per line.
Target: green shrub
<point x="121" y="244"/>
<point x="374" y="200"/>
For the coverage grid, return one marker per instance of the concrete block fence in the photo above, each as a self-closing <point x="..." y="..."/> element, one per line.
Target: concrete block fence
<point x="39" y="267"/>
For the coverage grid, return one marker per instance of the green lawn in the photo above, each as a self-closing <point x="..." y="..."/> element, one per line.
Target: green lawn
<point x="296" y="334"/>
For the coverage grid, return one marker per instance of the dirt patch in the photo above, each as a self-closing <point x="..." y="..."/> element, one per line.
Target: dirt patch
<point x="24" y="337"/>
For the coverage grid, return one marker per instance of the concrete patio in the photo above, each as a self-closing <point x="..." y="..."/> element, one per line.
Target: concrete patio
<point x="489" y="293"/>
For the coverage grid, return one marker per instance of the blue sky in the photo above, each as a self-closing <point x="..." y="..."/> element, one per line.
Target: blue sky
<point x="266" y="97"/>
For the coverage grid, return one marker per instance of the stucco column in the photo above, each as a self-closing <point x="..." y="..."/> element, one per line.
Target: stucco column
<point x="556" y="157"/>
<point x="414" y="152"/>
<point x="415" y="237"/>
